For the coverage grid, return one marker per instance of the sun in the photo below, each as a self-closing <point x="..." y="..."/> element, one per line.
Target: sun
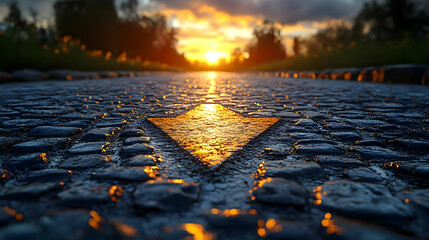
<point x="213" y="57"/>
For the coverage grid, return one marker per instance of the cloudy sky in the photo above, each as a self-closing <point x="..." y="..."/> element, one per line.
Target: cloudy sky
<point x="219" y="26"/>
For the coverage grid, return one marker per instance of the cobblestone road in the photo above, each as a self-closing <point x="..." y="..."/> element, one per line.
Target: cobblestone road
<point x="80" y="160"/>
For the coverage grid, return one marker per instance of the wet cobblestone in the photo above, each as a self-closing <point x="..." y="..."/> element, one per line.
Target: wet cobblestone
<point x="80" y="160"/>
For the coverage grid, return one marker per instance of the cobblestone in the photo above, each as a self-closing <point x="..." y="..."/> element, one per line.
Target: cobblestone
<point x="81" y="159"/>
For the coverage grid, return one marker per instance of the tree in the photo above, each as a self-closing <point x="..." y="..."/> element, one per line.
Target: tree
<point x="14" y="18"/>
<point x="336" y="35"/>
<point x="237" y="57"/>
<point x="267" y="45"/>
<point x="97" y="24"/>
<point x="297" y="46"/>
<point x="393" y="20"/>
<point x="129" y="10"/>
<point x="34" y="16"/>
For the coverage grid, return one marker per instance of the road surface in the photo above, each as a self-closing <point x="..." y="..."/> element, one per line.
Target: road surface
<point x="80" y="160"/>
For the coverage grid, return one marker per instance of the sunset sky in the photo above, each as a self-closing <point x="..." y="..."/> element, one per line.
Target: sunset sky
<point x="211" y="29"/>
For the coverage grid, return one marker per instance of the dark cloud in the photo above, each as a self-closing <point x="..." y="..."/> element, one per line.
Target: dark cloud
<point x="44" y="8"/>
<point x="284" y="11"/>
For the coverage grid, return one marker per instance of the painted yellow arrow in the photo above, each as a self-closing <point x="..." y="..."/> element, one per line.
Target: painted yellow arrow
<point x="212" y="132"/>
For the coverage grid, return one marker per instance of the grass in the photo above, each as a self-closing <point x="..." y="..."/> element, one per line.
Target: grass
<point x="64" y="55"/>
<point x="361" y="55"/>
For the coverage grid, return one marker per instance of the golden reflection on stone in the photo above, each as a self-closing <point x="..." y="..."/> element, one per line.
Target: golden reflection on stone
<point x="234" y="212"/>
<point x="116" y="193"/>
<point x="18" y="216"/>
<point x="318" y="195"/>
<point x="95" y="221"/>
<point x="152" y="171"/>
<point x="125" y="229"/>
<point x="330" y="226"/>
<point x="197" y="231"/>
<point x="5" y="174"/>
<point x="269" y="226"/>
<point x="211" y="132"/>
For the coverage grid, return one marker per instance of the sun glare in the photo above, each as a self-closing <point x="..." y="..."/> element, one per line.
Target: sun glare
<point x="213" y="57"/>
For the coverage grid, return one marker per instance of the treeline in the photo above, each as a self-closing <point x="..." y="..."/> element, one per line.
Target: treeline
<point x="98" y="24"/>
<point x="122" y="33"/>
<point x="391" y="20"/>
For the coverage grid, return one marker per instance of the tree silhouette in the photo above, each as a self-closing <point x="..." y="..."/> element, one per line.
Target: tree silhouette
<point x="297" y="46"/>
<point x="92" y="21"/>
<point x="237" y="57"/>
<point x="129" y="9"/>
<point x="14" y="18"/>
<point x="98" y="25"/>
<point x="267" y="45"/>
<point x="393" y="20"/>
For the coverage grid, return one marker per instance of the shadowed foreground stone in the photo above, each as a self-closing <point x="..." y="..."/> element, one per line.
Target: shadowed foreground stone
<point x="34" y="160"/>
<point x="99" y="134"/>
<point x="49" y="131"/>
<point x="413" y="145"/>
<point x="64" y="74"/>
<point x="21" y="231"/>
<point x="5" y="77"/>
<point x="48" y="175"/>
<point x="140" y="160"/>
<point x="136" y="149"/>
<point x="281" y="191"/>
<point x="346" y="136"/>
<point x="367" y="201"/>
<point x="338" y="161"/>
<point x="38" y="145"/>
<point x="27" y="192"/>
<point x="233" y="219"/>
<point x="357" y="230"/>
<point x="165" y="195"/>
<point x="135" y="140"/>
<point x="84" y="161"/>
<point x="320" y="149"/>
<point x="88" y="148"/>
<point x="418" y="197"/>
<point x="293" y="230"/>
<point x="298" y="170"/>
<point x="363" y="174"/>
<point x="28" y="75"/>
<point x="378" y="153"/>
<point x="124" y="174"/>
<point x="132" y="133"/>
<point x="84" y="196"/>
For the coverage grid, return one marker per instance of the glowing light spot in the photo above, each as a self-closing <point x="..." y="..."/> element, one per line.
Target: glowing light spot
<point x="197" y="231"/>
<point x="14" y="213"/>
<point x="262" y="232"/>
<point x="43" y="157"/>
<point x="5" y="174"/>
<point x="232" y="212"/>
<point x="213" y="57"/>
<point x="152" y="171"/>
<point x="124" y="229"/>
<point x="318" y="194"/>
<point x="329" y="224"/>
<point x="95" y="221"/>
<point x="116" y="193"/>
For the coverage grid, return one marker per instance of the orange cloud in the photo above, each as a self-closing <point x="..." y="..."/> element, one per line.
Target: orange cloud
<point x="204" y="29"/>
<point x="208" y="30"/>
